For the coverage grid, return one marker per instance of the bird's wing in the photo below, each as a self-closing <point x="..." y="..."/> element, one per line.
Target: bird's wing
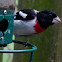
<point x="29" y="11"/>
<point x="25" y="14"/>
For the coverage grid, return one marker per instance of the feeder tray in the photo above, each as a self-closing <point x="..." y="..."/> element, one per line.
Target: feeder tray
<point x="33" y="48"/>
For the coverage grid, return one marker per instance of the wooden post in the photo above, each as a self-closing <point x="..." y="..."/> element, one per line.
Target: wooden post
<point x="7" y="4"/>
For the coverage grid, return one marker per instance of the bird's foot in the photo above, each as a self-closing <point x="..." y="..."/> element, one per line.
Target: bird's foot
<point x="26" y="42"/>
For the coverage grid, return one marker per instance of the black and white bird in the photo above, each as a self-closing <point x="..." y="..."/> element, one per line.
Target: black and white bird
<point x="31" y="21"/>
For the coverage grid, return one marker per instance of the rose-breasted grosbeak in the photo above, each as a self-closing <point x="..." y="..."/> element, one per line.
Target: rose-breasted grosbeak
<point x="31" y="21"/>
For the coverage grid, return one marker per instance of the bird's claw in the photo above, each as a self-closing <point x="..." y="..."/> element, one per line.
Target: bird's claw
<point x="26" y="43"/>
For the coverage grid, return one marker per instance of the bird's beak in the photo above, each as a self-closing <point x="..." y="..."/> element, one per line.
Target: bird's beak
<point x="56" y="20"/>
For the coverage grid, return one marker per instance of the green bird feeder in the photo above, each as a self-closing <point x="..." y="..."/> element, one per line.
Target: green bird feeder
<point x="6" y="25"/>
<point x="7" y="8"/>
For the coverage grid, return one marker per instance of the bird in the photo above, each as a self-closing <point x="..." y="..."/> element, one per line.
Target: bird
<point x="31" y="22"/>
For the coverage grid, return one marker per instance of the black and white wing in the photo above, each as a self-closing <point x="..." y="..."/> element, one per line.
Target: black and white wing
<point x="25" y="14"/>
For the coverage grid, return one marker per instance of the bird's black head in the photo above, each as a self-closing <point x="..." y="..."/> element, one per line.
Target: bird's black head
<point x="47" y="18"/>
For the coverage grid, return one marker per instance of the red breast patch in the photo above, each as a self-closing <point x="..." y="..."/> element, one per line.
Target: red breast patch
<point x="38" y="29"/>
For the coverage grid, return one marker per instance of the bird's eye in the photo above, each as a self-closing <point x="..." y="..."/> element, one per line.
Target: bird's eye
<point x="50" y="14"/>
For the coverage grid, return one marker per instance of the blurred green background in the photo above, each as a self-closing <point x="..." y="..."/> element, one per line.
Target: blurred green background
<point x="49" y="42"/>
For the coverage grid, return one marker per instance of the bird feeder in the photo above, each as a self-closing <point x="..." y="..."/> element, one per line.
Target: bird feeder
<point x="7" y="8"/>
<point x="6" y="27"/>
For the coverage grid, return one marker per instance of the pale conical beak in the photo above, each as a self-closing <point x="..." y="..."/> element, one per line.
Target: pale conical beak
<point x="56" y="20"/>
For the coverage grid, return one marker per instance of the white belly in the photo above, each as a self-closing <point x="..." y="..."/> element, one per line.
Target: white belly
<point x="24" y="27"/>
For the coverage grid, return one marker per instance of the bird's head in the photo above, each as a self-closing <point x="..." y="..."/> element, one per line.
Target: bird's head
<point x="47" y="18"/>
